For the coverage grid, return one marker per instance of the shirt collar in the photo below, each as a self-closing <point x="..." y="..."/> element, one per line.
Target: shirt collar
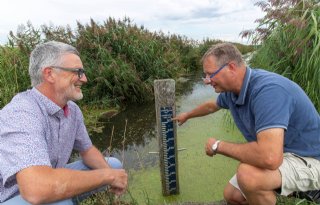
<point x="66" y="110"/>
<point x="50" y="106"/>
<point x="239" y="100"/>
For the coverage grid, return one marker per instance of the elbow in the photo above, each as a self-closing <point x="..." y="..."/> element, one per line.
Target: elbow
<point x="273" y="162"/>
<point x="32" y="196"/>
<point x="32" y="199"/>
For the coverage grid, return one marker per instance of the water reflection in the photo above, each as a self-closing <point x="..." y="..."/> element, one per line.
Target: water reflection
<point x="137" y="124"/>
<point x="136" y="128"/>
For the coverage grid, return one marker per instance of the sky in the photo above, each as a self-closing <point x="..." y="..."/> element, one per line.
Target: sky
<point x="195" y="19"/>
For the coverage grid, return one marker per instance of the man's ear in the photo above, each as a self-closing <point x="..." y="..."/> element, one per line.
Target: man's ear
<point x="48" y="75"/>
<point x="232" y="66"/>
<point x="234" y="69"/>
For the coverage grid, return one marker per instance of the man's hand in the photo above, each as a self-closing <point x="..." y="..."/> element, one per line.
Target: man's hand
<point x="181" y="118"/>
<point x="120" y="182"/>
<point x="208" y="147"/>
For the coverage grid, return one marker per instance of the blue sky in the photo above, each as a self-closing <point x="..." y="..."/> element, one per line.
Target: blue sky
<point x="196" y="19"/>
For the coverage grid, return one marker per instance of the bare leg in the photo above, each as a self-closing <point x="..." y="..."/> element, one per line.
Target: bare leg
<point x="258" y="185"/>
<point x="233" y="196"/>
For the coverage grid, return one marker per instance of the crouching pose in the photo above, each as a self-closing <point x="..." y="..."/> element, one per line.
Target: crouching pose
<point x="276" y="117"/>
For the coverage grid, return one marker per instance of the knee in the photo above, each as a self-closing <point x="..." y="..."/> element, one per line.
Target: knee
<point x="246" y="177"/>
<point x="228" y="196"/>
<point x="233" y="196"/>
<point x="114" y="162"/>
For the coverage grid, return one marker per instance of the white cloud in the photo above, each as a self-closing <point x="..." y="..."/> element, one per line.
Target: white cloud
<point x="197" y="19"/>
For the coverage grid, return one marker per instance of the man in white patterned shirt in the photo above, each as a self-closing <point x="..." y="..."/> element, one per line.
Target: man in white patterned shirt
<point x="39" y="129"/>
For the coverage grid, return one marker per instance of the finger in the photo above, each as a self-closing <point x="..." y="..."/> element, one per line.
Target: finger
<point x="114" y="190"/>
<point x="118" y="191"/>
<point x="175" y="119"/>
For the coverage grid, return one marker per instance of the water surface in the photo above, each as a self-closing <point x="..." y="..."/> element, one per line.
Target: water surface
<point x="136" y="126"/>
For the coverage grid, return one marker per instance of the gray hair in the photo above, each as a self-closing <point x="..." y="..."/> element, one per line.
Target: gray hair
<point x="224" y="53"/>
<point x="47" y="54"/>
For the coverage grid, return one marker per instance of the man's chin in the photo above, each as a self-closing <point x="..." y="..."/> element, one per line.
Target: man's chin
<point x="78" y="97"/>
<point x="217" y="90"/>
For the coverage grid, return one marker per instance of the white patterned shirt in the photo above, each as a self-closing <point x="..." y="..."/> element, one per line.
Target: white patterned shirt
<point x="34" y="131"/>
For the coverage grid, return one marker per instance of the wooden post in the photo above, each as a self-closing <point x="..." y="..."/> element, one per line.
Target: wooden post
<point x="164" y="91"/>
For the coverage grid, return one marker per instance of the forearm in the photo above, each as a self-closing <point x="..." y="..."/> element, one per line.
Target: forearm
<point x="50" y="185"/>
<point x="94" y="159"/>
<point x="250" y="153"/>
<point x="203" y="109"/>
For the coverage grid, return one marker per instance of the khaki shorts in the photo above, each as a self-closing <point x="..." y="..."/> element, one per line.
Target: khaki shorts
<point x="297" y="173"/>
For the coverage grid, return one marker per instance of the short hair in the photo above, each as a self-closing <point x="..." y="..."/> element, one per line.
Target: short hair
<point x="47" y="54"/>
<point x="224" y="53"/>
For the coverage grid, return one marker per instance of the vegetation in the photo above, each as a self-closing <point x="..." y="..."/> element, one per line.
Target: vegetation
<point x="289" y="39"/>
<point x="121" y="59"/>
<point x="14" y="76"/>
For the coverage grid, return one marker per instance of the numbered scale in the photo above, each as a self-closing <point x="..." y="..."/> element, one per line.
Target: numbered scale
<point x="168" y="145"/>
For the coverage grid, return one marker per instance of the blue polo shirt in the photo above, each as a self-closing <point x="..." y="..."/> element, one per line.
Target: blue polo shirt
<point x="268" y="100"/>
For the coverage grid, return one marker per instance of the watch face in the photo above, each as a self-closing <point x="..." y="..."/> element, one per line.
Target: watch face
<point x="214" y="146"/>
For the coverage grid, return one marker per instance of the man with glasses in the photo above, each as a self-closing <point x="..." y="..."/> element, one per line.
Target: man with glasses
<point x="276" y="117"/>
<point x="39" y="129"/>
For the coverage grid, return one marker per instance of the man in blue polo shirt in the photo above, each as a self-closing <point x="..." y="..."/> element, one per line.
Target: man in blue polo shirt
<point x="278" y="120"/>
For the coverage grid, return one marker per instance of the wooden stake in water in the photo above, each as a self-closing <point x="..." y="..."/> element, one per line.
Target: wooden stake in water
<point x="164" y="91"/>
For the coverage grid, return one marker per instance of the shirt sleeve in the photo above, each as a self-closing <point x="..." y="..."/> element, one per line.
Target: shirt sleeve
<point x="222" y="101"/>
<point x="82" y="141"/>
<point x="22" y="142"/>
<point x="272" y="107"/>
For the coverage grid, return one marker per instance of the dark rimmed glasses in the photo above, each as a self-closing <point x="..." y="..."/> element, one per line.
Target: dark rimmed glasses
<point x="207" y="79"/>
<point x="79" y="71"/>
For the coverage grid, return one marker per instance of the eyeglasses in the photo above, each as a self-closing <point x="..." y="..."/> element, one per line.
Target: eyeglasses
<point x="213" y="74"/>
<point x="79" y="71"/>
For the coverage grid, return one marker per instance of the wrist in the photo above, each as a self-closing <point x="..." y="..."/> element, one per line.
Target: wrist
<point x="215" y="147"/>
<point x="188" y="114"/>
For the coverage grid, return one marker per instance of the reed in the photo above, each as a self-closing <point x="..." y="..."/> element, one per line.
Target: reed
<point x="121" y="59"/>
<point x="289" y="35"/>
<point x="13" y="73"/>
<point x="124" y="59"/>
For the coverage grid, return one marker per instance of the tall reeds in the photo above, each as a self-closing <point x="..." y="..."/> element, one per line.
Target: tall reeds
<point x="13" y="73"/>
<point x="289" y="35"/>
<point x="121" y="59"/>
<point x="124" y="59"/>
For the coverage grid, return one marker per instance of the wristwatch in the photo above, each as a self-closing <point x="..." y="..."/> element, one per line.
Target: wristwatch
<point x="215" y="147"/>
